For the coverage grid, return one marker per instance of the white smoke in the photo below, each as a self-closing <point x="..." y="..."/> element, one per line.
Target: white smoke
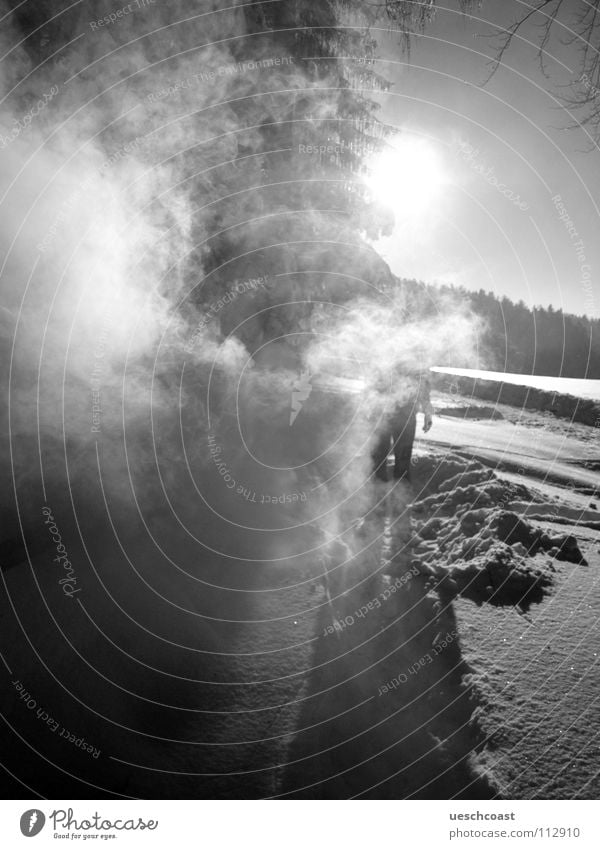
<point x="137" y="395"/>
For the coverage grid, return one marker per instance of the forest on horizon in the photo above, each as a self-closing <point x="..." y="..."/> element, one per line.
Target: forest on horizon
<point x="517" y="338"/>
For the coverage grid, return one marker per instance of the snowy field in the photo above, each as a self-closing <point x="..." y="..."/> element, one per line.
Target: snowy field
<point x="414" y="650"/>
<point x="536" y="672"/>
<point x="588" y="389"/>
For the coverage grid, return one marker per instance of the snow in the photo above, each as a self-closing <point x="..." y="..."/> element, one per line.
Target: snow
<point x="535" y="672"/>
<point x="579" y="388"/>
<point x="538" y="679"/>
<point x="309" y="711"/>
<point x="540" y="453"/>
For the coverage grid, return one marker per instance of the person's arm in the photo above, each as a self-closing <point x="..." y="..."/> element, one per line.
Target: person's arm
<point x="425" y="403"/>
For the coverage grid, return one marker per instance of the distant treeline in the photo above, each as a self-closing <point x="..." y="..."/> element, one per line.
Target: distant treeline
<point x="515" y="337"/>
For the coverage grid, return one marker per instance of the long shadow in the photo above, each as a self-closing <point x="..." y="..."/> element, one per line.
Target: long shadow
<point x="386" y="711"/>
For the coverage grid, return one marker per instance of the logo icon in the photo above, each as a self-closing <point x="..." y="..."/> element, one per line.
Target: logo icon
<point x="301" y="389"/>
<point x="32" y="822"/>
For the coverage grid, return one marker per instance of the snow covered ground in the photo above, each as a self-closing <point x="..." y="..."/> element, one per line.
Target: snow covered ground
<point x="539" y="677"/>
<point x="589" y="389"/>
<point x="250" y="686"/>
<point x="526" y="446"/>
<point x="537" y="672"/>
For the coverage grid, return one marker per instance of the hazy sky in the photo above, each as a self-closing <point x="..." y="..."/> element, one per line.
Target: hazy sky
<point x="472" y="234"/>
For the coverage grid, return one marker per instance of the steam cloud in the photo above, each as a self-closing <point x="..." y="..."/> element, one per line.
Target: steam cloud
<point x="133" y="200"/>
<point x="107" y="206"/>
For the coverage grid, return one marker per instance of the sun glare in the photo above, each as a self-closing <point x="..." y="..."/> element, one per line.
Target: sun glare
<point x="407" y="177"/>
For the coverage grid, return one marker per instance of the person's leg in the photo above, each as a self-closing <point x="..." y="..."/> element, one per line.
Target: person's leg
<point x="403" y="435"/>
<point x="380" y="454"/>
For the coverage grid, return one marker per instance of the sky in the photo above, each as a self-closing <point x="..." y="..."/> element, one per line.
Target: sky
<point x="502" y="154"/>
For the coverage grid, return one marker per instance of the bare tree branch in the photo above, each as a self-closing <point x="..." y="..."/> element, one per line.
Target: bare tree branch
<point x="509" y="34"/>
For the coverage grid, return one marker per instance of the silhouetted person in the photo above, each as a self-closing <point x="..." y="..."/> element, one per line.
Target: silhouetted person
<point x="397" y="429"/>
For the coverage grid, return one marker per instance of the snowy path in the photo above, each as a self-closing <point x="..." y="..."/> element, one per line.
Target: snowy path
<point x="578" y="387"/>
<point x="538" y="452"/>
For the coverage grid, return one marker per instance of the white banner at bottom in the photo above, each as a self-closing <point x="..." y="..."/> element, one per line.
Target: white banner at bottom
<point x="300" y="824"/>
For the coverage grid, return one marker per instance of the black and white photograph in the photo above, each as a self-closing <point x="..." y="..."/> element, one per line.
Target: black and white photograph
<point x="300" y="456"/>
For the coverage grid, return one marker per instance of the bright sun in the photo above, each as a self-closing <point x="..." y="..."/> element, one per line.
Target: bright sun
<point x="407" y="177"/>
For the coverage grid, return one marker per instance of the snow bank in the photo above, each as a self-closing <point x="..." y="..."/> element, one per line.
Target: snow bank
<point x="578" y="388"/>
<point x="576" y="400"/>
<point x="470" y="539"/>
